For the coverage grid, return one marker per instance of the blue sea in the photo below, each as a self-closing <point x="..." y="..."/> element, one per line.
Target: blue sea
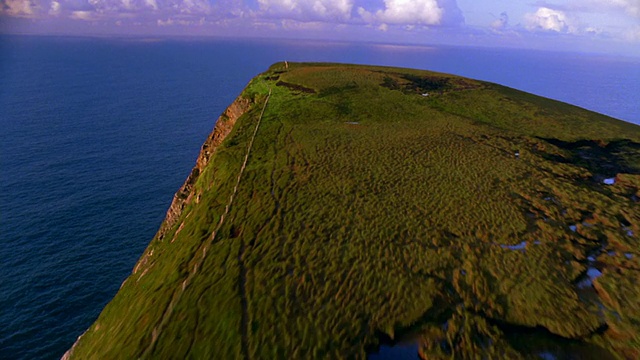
<point x="97" y="134"/>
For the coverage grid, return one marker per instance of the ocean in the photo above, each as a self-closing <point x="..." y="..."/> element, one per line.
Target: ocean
<point x="97" y="134"/>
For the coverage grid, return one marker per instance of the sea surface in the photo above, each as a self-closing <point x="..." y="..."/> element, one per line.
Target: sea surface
<point x="97" y="134"/>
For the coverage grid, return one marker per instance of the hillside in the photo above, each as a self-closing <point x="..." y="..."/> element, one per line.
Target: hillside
<point x="337" y="208"/>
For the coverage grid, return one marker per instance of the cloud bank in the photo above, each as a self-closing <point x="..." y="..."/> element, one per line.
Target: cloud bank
<point x="308" y="10"/>
<point x="95" y="9"/>
<point x="630" y="7"/>
<point x="387" y="12"/>
<point x="417" y="21"/>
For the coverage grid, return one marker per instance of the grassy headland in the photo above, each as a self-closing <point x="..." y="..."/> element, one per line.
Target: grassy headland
<point x="379" y="202"/>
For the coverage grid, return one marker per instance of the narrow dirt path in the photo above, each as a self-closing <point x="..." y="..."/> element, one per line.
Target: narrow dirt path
<point x="242" y="281"/>
<point x="203" y="252"/>
<point x="242" y="289"/>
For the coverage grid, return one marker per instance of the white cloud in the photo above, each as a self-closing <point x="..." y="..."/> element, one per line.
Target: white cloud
<point x="425" y="12"/>
<point x="55" y="8"/>
<point x="295" y="25"/>
<point x="501" y="23"/>
<point x="414" y="12"/>
<point x="328" y="10"/>
<point x="401" y="12"/>
<point x="547" y="19"/>
<point x="592" y="30"/>
<point x="193" y="6"/>
<point x="632" y="7"/>
<point x="152" y="4"/>
<point x="82" y="15"/>
<point x="633" y="34"/>
<point x="19" y="8"/>
<point x="181" y="22"/>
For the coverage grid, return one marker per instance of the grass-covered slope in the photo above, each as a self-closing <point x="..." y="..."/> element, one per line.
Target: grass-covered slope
<point x="474" y="218"/>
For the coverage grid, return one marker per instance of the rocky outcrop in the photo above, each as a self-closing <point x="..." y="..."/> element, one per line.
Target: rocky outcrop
<point x="185" y="194"/>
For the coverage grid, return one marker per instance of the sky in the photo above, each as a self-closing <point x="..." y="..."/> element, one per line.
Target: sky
<point x="604" y="26"/>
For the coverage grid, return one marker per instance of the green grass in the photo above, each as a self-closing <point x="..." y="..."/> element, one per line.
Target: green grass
<point x="369" y="209"/>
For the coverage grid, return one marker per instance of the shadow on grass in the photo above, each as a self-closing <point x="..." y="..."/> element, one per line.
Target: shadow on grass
<point x="599" y="157"/>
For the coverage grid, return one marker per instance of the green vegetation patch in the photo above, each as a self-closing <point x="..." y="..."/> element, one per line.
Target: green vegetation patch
<point x="379" y="204"/>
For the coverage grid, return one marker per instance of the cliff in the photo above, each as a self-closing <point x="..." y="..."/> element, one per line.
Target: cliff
<point x="185" y="194"/>
<point x="337" y="210"/>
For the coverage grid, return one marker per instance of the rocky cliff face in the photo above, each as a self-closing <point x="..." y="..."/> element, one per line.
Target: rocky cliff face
<point x="185" y="194"/>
